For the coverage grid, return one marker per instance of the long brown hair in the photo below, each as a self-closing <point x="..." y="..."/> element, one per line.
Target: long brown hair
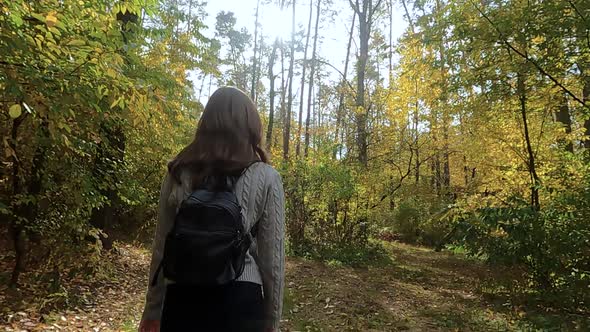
<point x="228" y="138"/>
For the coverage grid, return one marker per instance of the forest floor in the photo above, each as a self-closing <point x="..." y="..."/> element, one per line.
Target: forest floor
<point x="415" y="289"/>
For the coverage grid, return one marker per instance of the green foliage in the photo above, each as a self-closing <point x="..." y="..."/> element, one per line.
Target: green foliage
<point x="407" y="219"/>
<point x="339" y="254"/>
<point x="324" y="206"/>
<point x="95" y="100"/>
<point x="552" y="244"/>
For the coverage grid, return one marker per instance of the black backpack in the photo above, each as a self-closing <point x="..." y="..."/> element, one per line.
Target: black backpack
<point x="208" y="243"/>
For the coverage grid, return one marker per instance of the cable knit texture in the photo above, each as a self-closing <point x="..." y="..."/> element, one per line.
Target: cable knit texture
<point x="260" y="193"/>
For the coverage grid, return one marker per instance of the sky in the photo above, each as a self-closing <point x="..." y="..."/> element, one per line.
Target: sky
<point x="276" y="23"/>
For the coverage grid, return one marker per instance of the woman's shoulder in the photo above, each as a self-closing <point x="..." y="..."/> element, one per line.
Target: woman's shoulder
<point x="263" y="171"/>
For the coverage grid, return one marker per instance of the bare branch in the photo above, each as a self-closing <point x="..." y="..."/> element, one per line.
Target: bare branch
<point x="354" y="6"/>
<point x="408" y="16"/>
<point x="338" y="71"/>
<point x="373" y="10"/>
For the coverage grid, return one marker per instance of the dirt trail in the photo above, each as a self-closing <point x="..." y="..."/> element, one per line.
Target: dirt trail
<point x="417" y="290"/>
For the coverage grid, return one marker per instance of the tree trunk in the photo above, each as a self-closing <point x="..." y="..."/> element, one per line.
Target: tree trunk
<point x="16" y="228"/>
<point x="254" y="58"/>
<point x="365" y="15"/>
<point x="202" y="85"/>
<point x="189" y="18"/>
<point x="311" y="75"/>
<point x="209" y="89"/>
<point x="417" y="133"/>
<point x="563" y="116"/>
<point x="259" y="66"/>
<point x="438" y="174"/>
<point x="446" y="174"/>
<point x="111" y="152"/>
<point x="361" y="112"/>
<point x="535" y="182"/>
<point x="26" y="212"/>
<point x="271" y="111"/>
<point x="586" y="99"/>
<point x="303" y="70"/>
<point x="340" y="114"/>
<point x="416" y="115"/>
<point x="283" y="86"/>
<point x="390" y="5"/>
<point x="287" y="128"/>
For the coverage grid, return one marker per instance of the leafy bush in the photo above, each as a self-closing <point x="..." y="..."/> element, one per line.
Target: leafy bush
<point x="552" y="244"/>
<point x="406" y="220"/>
<point x="355" y="255"/>
<point x="411" y="222"/>
<point x="330" y="216"/>
<point x="433" y="231"/>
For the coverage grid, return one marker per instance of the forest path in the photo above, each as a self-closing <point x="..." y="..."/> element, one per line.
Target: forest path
<point x="417" y="289"/>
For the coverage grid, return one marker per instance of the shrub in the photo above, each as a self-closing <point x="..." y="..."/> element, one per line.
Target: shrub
<point x="407" y="221"/>
<point x="552" y="244"/>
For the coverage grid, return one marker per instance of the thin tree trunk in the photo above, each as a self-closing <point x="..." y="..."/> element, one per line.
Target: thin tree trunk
<point x="521" y="89"/>
<point x="390" y="3"/>
<point x="361" y="112"/>
<point x="416" y="132"/>
<point x="259" y="70"/>
<point x="111" y="153"/>
<point x="465" y="172"/>
<point x="315" y="122"/>
<point x="283" y="86"/>
<point x="563" y="116"/>
<point x="189" y="16"/>
<point x="365" y="15"/>
<point x="210" y="81"/>
<point x="446" y="176"/>
<point x="340" y="114"/>
<point x="586" y="99"/>
<point x="311" y="74"/>
<point x="435" y="163"/>
<point x="287" y="128"/>
<point x="202" y="85"/>
<point x="438" y="174"/>
<point x="271" y="111"/>
<point x="254" y="58"/>
<point x="16" y="228"/>
<point x="303" y="70"/>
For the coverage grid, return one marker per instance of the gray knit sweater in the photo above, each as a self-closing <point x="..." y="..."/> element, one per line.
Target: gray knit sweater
<point x="260" y="192"/>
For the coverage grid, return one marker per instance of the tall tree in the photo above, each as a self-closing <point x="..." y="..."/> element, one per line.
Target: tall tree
<point x="237" y="41"/>
<point x="254" y="58"/>
<point x="287" y="124"/>
<point x="312" y="73"/>
<point x="343" y="87"/>
<point x="365" y="10"/>
<point x="303" y="69"/>
<point x="284" y="87"/>
<point x="271" y="97"/>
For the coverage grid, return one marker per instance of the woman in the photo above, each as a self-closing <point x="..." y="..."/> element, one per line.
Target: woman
<point x="227" y="141"/>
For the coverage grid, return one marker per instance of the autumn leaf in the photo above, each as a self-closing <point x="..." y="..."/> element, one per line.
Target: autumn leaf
<point x="15" y="111"/>
<point x="51" y="19"/>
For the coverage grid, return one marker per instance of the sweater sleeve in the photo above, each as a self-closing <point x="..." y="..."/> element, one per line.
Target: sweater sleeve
<point x="155" y="294"/>
<point x="271" y="250"/>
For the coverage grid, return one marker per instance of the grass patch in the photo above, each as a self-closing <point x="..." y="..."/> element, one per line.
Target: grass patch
<point x="353" y="255"/>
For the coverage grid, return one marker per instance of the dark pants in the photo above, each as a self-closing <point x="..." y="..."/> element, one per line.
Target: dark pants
<point x="233" y="307"/>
